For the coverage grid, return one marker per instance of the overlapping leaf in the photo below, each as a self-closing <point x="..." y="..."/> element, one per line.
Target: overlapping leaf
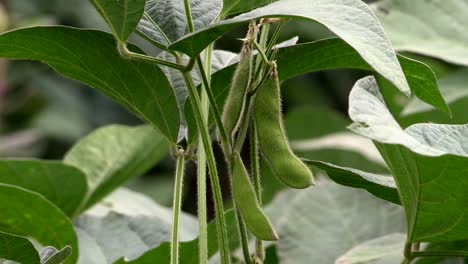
<point x="28" y="214"/>
<point x="351" y="20"/>
<point x="165" y="21"/>
<point x="63" y="185"/>
<point x="428" y="162"/>
<point x="92" y="58"/>
<point x="18" y="249"/>
<point x="333" y="54"/>
<point x="381" y="186"/>
<point x="112" y="155"/>
<point x="427" y="27"/>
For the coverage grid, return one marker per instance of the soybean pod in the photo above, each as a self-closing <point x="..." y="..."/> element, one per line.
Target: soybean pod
<point x="273" y="143"/>
<point x="247" y="202"/>
<point x="235" y="102"/>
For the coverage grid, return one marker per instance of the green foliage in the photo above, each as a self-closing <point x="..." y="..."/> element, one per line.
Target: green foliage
<point x="131" y="83"/>
<point x="414" y="166"/>
<point x="19" y="249"/>
<point x="65" y="186"/>
<point x="29" y="214"/>
<point x="112" y="155"/>
<point x="121" y="16"/>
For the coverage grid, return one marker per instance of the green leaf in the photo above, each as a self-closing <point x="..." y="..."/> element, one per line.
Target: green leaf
<point x="322" y="55"/>
<point x="351" y="20"/>
<point x="29" y="214"/>
<point x="381" y="186"/>
<point x="452" y="88"/>
<point x="18" y="249"/>
<point x="332" y="143"/>
<point x="387" y="249"/>
<point x="428" y="162"/>
<point x="122" y="16"/>
<point x="165" y="21"/>
<point x="427" y="27"/>
<point x="112" y="155"/>
<point x="238" y="6"/>
<point x="127" y="224"/>
<point x="329" y="220"/>
<point x="58" y="256"/>
<point x="63" y="185"/>
<point x="189" y="250"/>
<point x="91" y="57"/>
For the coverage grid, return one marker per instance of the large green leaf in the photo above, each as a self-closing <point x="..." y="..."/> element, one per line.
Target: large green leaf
<point x="18" y="249"/>
<point x="381" y="186"/>
<point x="63" y="185"/>
<point x="92" y="58"/>
<point x="329" y="220"/>
<point x="382" y="250"/>
<point x="427" y="27"/>
<point x="126" y="224"/>
<point x="428" y="162"/>
<point x="189" y="250"/>
<point x="165" y="21"/>
<point x="351" y="20"/>
<point x="112" y="155"/>
<point x="334" y="54"/>
<point x="122" y="16"/>
<point x="26" y="213"/>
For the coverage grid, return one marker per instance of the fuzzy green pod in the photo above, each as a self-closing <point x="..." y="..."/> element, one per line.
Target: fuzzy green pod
<point x="246" y="201"/>
<point x="274" y="145"/>
<point x="235" y="102"/>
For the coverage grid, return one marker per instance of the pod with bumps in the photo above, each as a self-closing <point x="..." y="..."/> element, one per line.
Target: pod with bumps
<point x="247" y="203"/>
<point x="274" y="146"/>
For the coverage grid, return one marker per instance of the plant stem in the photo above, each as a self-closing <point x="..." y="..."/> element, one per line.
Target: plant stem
<point x="261" y="52"/>
<point x="188" y="15"/>
<point x="255" y="163"/>
<point x="177" y="204"/>
<point x="123" y="50"/>
<point x="201" y="168"/>
<point x="243" y="236"/>
<point x="215" y="109"/>
<point x="218" y="199"/>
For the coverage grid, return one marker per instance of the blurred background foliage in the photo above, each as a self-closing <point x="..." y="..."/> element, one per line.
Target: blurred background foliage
<point x="42" y="114"/>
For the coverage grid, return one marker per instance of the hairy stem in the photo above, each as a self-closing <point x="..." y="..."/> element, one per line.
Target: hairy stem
<point x="243" y="236"/>
<point x="206" y="140"/>
<point x="255" y="163"/>
<point x="177" y="204"/>
<point x="205" y="70"/>
<point x="214" y="108"/>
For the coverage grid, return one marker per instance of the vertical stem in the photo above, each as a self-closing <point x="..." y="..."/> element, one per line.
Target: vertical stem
<point x="177" y="206"/>
<point x="218" y="199"/>
<point x="243" y="235"/>
<point x="216" y="113"/>
<point x="206" y="141"/>
<point x="205" y="70"/>
<point x="255" y="162"/>
<point x="188" y="15"/>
